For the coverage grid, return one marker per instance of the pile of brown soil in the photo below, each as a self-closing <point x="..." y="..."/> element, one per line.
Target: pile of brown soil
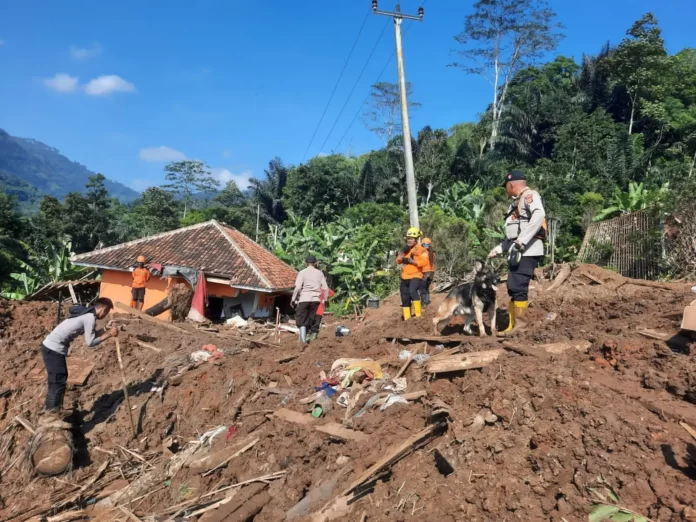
<point x="557" y="433"/>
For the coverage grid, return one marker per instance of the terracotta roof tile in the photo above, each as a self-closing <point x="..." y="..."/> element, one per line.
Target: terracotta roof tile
<point x="210" y="246"/>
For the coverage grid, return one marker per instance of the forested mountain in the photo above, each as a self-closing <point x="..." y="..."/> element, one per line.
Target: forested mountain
<point x="30" y="169"/>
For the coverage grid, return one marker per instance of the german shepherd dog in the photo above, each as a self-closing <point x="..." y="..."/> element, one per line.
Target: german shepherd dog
<point x="472" y="300"/>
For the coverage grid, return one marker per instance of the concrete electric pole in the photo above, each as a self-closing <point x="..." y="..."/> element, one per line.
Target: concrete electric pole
<point x="408" y="153"/>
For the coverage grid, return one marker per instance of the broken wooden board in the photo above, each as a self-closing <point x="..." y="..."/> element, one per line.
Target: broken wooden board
<point x="547" y="350"/>
<point x="652" y="334"/>
<point x="464" y="361"/>
<point x="332" y="429"/>
<point x="336" y="431"/>
<point x="395" y="454"/>
<point x="420" y="339"/>
<point x="79" y="369"/>
<point x="151" y="319"/>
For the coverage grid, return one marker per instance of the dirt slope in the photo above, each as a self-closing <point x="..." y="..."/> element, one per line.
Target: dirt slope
<point x="557" y="427"/>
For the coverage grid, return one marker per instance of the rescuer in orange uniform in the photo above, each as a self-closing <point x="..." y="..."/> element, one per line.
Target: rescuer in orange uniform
<point x="413" y="258"/>
<point x="141" y="276"/>
<point x="428" y="271"/>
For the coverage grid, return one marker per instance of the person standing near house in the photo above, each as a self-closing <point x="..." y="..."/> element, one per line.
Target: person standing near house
<point x="428" y="271"/>
<point x="307" y="297"/>
<point x="413" y="258"/>
<point x="141" y="276"/>
<point x="319" y="316"/>
<point x="54" y="349"/>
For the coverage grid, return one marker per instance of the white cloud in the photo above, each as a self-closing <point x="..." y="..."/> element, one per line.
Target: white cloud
<point x="161" y="154"/>
<point x="61" y="82"/>
<point x="225" y="175"/>
<point x="85" y="53"/>
<point x="108" y="84"/>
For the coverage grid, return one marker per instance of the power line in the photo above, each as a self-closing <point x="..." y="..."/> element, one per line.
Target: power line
<point x="355" y="85"/>
<point x="340" y="76"/>
<point x="357" y="113"/>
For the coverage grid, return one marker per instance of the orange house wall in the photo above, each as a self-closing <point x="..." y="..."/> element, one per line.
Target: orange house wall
<point x="116" y="286"/>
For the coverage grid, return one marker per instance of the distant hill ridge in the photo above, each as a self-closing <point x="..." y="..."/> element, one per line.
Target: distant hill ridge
<point x="30" y="169"/>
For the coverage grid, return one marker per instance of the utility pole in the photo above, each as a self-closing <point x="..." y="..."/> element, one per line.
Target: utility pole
<point x="408" y="153"/>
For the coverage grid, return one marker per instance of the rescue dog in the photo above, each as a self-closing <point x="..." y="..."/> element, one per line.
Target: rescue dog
<point x="472" y="300"/>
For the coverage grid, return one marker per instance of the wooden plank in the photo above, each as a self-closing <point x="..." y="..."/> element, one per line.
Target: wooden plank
<point x="652" y="334"/>
<point x="335" y="430"/>
<point x="688" y="428"/>
<point x="393" y="455"/>
<point x="72" y="293"/>
<point x="151" y="319"/>
<point x="467" y="361"/>
<point x="146" y="345"/>
<point x="294" y="416"/>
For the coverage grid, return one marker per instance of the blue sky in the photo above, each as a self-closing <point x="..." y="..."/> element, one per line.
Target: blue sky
<point x="123" y="86"/>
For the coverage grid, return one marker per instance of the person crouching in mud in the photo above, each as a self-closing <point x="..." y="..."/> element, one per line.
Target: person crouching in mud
<point x="54" y="349"/>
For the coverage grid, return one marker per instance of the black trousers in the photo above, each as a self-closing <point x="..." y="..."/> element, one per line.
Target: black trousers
<point x="316" y="325"/>
<point x="410" y="289"/>
<point x="425" y="287"/>
<point x="519" y="278"/>
<point x="138" y="294"/>
<point x="306" y="312"/>
<point x="57" y="370"/>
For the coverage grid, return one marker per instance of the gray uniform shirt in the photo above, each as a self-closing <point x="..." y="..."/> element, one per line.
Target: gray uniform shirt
<point x="523" y="228"/>
<point x="62" y="335"/>
<point x="308" y="286"/>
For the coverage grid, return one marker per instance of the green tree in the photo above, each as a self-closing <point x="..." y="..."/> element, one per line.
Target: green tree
<point x="432" y="160"/>
<point x="502" y="37"/>
<point x="383" y="114"/>
<point x="230" y="196"/>
<point x="322" y="188"/>
<point x="10" y="232"/>
<point x="269" y="192"/>
<point x="156" y="211"/>
<point x="187" y="178"/>
<point x="639" y="63"/>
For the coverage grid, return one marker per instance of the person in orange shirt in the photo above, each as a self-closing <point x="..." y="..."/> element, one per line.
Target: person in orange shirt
<point x="413" y="258"/>
<point x="141" y="276"/>
<point x="428" y="271"/>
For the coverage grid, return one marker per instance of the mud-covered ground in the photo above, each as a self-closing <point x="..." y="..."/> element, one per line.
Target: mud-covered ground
<point x="560" y="432"/>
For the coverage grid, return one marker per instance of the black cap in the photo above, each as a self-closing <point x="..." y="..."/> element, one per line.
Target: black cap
<point x="514" y="175"/>
<point x="310" y="259"/>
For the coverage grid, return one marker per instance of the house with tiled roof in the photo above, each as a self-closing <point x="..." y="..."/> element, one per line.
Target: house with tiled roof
<point x="242" y="277"/>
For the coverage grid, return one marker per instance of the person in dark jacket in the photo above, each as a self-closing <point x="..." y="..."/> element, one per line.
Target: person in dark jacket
<point x="54" y="349"/>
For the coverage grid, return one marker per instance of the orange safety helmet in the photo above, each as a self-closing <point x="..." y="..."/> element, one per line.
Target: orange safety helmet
<point x="140" y="259"/>
<point x="426" y="241"/>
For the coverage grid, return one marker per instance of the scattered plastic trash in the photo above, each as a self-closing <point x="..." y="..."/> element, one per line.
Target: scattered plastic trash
<point x="327" y="388"/>
<point x="322" y="406"/>
<point x="393" y="399"/>
<point x="156" y="389"/>
<point x="551" y="316"/>
<point x="287" y="328"/>
<point x="231" y="432"/>
<point x="237" y="321"/>
<point x="693" y="289"/>
<point x="209" y="352"/>
<point x="343" y="399"/>
<point x="372" y="302"/>
<point x="399" y="385"/>
<point x="208" y="436"/>
<point x="342" y="331"/>
<point x="404" y="354"/>
<point x="369" y="404"/>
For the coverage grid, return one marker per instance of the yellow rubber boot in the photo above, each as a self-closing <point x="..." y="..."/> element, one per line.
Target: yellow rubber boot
<point x="511" y="321"/>
<point x="407" y="312"/>
<point x="520" y="310"/>
<point x="417" y="308"/>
